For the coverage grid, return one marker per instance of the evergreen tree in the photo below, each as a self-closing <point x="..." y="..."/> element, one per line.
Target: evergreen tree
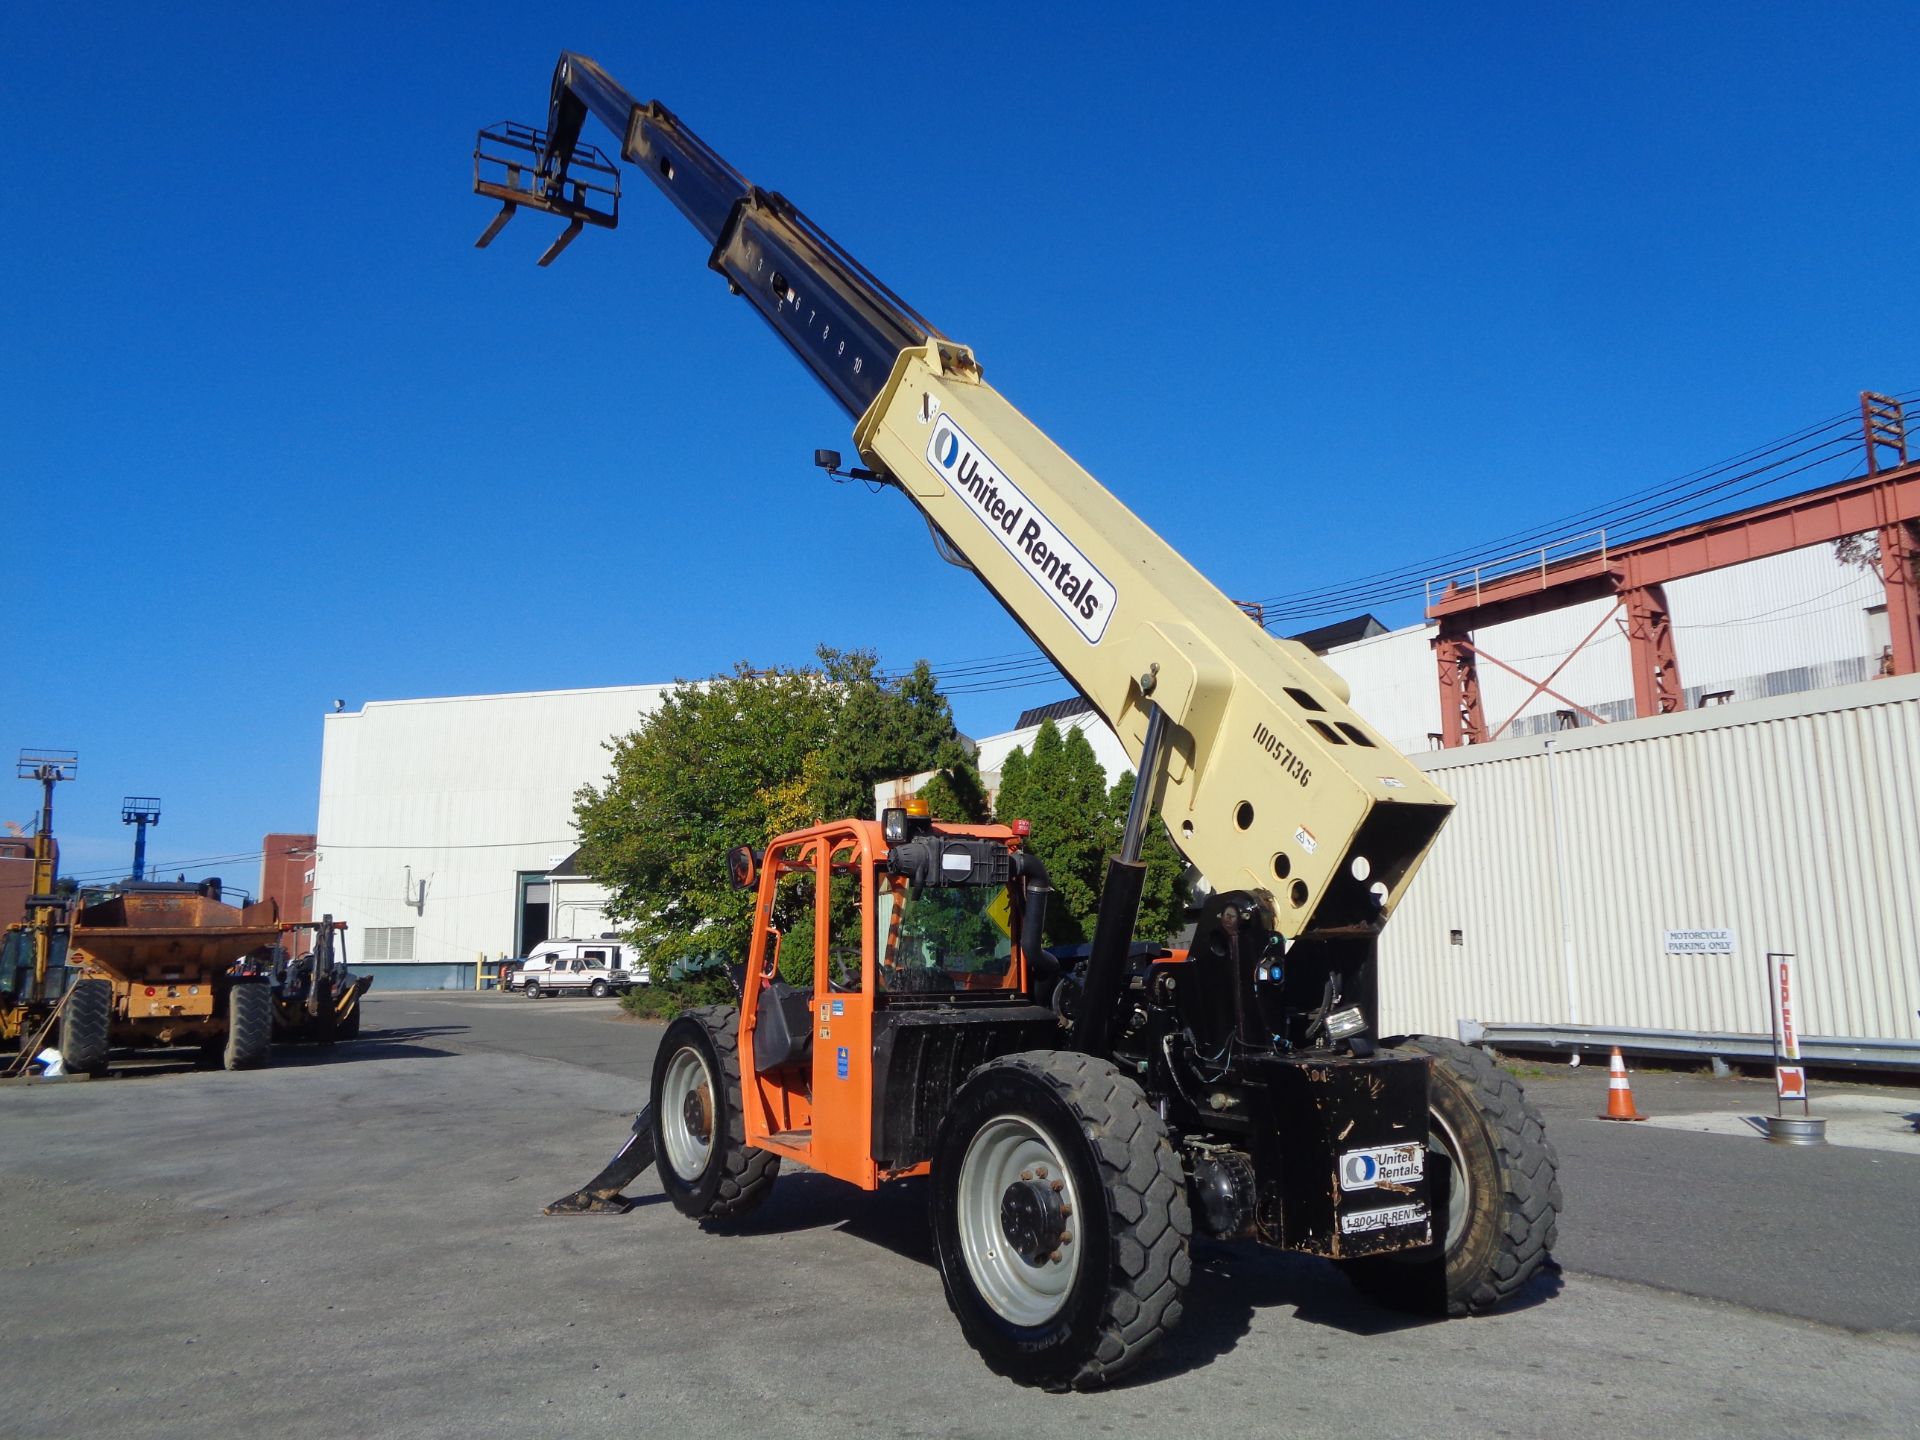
<point x="1077" y="820"/>
<point x="1164" y="897"/>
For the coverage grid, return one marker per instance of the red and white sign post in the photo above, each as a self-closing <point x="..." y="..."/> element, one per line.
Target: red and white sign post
<point x="1790" y="1076"/>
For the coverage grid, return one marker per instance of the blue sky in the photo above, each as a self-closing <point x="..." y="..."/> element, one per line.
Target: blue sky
<point x="1314" y="289"/>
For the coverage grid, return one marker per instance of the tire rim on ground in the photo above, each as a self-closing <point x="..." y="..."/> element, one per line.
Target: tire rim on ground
<point x="686" y="1113"/>
<point x="1009" y="1151"/>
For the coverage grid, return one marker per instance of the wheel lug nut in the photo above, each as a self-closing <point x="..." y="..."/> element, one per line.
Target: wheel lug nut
<point x="1066" y="1237"/>
<point x="1041" y="1171"/>
<point x="1059" y="1184"/>
<point x="1026" y="1174"/>
<point x="1055" y="1257"/>
<point x="1065" y="1211"/>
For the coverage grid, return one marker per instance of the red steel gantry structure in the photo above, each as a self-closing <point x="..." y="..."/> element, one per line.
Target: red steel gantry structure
<point x="1884" y="501"/>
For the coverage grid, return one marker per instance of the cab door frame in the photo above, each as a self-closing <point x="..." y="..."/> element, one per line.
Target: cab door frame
<point x="822" y="1117"/>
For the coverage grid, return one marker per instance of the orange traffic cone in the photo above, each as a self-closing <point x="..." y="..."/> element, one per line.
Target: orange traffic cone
<point x="1619" y="1092"/>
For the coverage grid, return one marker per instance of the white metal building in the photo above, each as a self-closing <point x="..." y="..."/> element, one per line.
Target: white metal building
<point x="440" y="821"/>
<point x="1553" y="894"/>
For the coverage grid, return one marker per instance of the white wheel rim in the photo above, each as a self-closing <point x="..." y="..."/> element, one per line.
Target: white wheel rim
<point x="1441" y="1141"/>
<point x="1004" y="1152"/>
<point x="687" y="1085"/>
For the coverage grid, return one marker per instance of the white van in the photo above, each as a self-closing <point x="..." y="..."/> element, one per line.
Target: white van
<point x="580" y="967"/>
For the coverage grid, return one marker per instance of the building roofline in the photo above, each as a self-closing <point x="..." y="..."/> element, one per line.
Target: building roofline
<point x="503" y="695"/>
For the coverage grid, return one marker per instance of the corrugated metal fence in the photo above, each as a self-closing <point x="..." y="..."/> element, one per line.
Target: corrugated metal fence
<point x="1793" y="822"/>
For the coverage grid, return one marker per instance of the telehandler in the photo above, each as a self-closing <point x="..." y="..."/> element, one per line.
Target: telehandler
<point x="1078" y="1125"/>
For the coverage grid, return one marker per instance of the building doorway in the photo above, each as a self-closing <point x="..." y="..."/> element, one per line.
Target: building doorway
<point x="533" y="914"/>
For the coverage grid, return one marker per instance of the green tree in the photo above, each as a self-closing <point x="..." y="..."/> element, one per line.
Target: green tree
<point x="1077" y="818"/>
<point x="736" y="760"/>
<point x="1059" y="788"/>
<point x="1164" y="897"/>
<point x="886" y="729"/>
<point x="956" y="792"/>
<point x="715" y="766"/>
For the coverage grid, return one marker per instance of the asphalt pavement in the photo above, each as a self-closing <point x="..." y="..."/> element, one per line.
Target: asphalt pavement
<point x="353" y="1246"/>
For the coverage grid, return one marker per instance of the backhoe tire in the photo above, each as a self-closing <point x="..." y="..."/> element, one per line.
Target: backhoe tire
<point x="1054" y="1153"/>
<point x="85" y="1026"/>
<point x="1489" y="1149"/>
<point x="249" y="1026"/>
<point x="699" y="1128"/>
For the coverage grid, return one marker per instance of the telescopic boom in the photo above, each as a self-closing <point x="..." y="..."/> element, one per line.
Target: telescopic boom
<point x="1270" y="784"/>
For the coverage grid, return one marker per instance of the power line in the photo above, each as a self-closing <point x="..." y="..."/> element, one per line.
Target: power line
<point x="119" y="872"/>
<point x="1684" y="489"/>
<point x="476" y="845"/>
<point x="1621" y="523"/>
<point x="1630" y="516"/>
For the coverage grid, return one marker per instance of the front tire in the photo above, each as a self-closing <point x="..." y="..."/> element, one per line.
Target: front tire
<point x="599" y="990"/>
<point x="1503" y="1192"/>
<point x="699" y="1129"/>
<point x="249" y="1026"/>
<point x="1055" y="1154"/>
<point x="85" y="1027"/>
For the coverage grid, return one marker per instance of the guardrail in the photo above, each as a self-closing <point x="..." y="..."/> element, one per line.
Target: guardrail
<point x="1588" y="545"/>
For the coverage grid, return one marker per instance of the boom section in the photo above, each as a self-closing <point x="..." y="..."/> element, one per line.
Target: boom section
<point x="845" y="326"/>
<point x="1271" y="783"/>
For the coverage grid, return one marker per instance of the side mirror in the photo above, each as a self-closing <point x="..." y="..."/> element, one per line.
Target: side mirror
<point x="743" y="866"/>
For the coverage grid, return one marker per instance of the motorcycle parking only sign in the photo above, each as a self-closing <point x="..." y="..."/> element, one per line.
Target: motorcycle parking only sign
<point x="1698" y="942"/>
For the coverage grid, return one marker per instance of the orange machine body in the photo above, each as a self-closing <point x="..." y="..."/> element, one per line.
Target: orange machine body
<point x="820" y="1112"/>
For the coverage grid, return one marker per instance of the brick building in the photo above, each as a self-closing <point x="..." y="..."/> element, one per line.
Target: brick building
<point x="16" y="877"/>
<point x="286" y="874"/>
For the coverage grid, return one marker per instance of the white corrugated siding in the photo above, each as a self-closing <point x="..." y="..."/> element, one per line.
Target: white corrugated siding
<point x="1794" y="822"/>
<point x="464" y="793"/>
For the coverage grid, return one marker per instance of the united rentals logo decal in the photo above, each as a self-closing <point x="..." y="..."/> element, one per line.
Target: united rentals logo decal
<point x="1084" y="595"/>
<point x="1382" y="1165"/>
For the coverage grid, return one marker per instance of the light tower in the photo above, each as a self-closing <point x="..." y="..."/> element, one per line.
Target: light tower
<point x="140" y="811"/>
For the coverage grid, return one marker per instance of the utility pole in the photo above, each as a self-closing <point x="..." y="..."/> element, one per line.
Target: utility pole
<point x="140" y="811"/>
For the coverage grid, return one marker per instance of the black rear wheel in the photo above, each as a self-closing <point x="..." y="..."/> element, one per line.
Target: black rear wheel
<point x="249" y="1026"/>
<point x="1487" y="1150"/>
<point x="85" y="1025"/>
<point x="1060" y="1219"/>
<point x="699" y="1129"/>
